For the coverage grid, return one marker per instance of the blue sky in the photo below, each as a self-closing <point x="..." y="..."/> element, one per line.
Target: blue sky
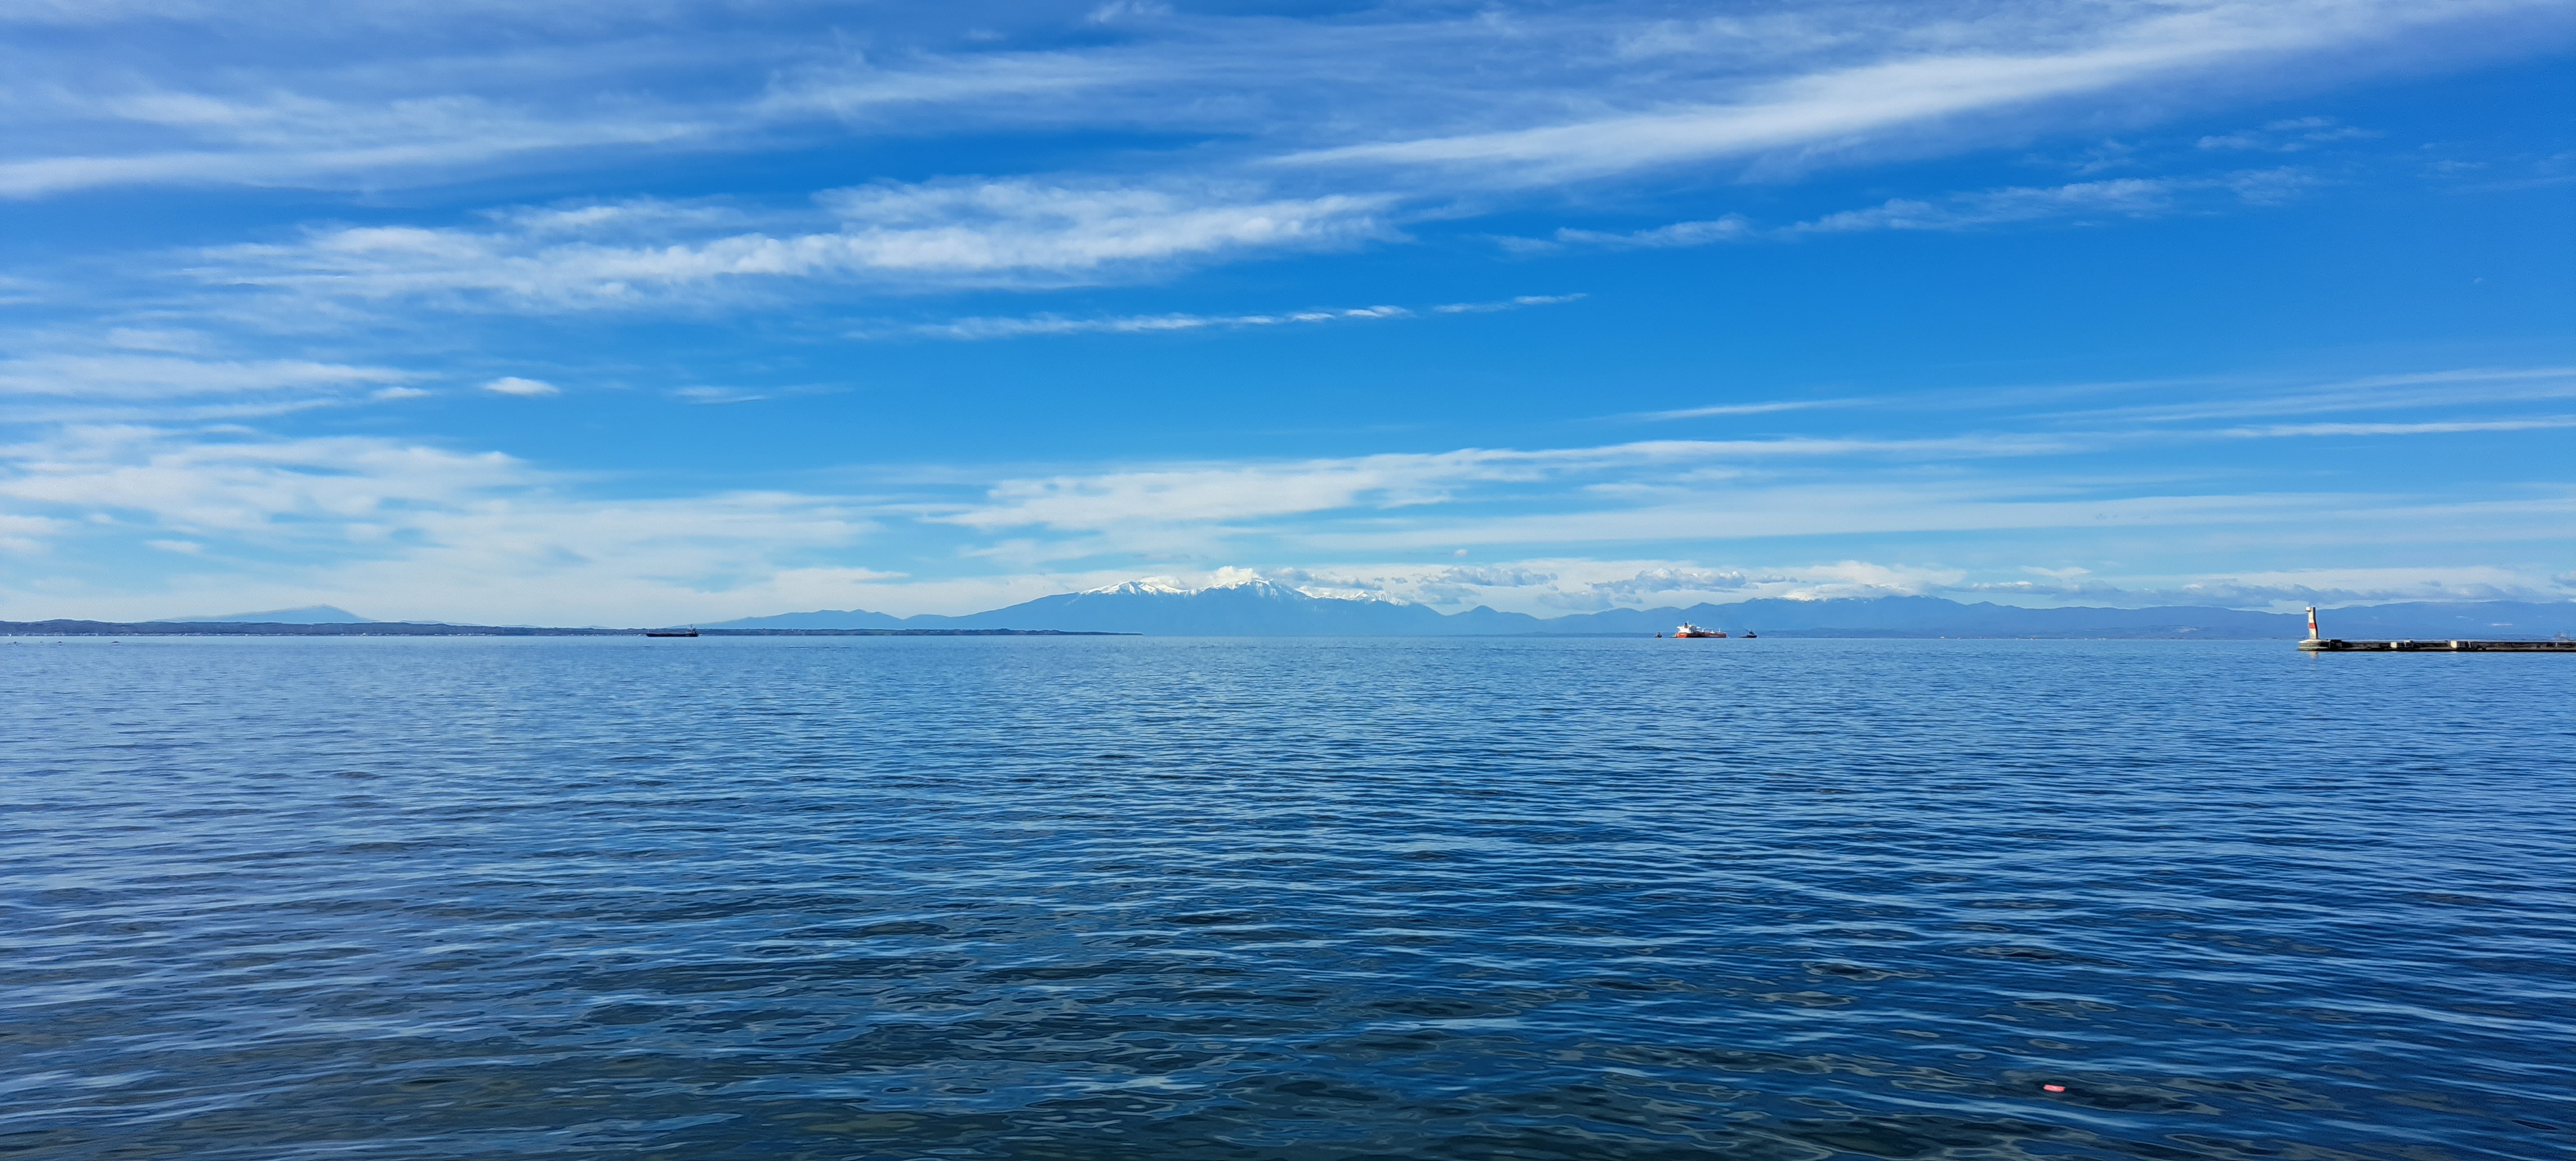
<point x="683" y="311"/>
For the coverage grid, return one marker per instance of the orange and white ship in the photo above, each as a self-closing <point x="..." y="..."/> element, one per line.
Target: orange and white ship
<point x="1690" y="630"/>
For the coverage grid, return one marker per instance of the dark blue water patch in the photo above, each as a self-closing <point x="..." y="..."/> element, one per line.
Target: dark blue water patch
<point x="886" y="898"/>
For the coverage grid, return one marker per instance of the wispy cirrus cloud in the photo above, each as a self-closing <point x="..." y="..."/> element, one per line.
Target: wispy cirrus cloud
<point x="1915" y="81"/>
<point x="1615" y="85"/>
<point x="2111" y="199"/>
<point x="2289" y="135"/>
<point x="2185" y="406"/>
<point x="98" y="376"/>
<point x="147" y="374"/>
<point x="1773" y="407"/>
<point x="1011" y="232"/>
<point x="1048" y="324"/>
<point x="290" y="141"/>
<point x="278" y="94"/>
<point x="1515" y="303"/>
<point x="1653" y="485"/>
<point x="2449" y="388"/>
<point x="2429" y="427"/>
<point x="137" y="376"/>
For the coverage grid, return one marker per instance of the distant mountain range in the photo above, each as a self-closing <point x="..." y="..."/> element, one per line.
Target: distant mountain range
<point x="308" y="615"/>
<point x="1256" y="608"/>
<point x="1261" y="608"/>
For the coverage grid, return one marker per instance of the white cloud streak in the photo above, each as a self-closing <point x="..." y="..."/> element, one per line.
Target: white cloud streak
<point x="2453" y="388"/>
<point x="1910" y="87"/>
<point x="2291" y="135"/>
<point x="971" y="329"/>
<point x="122" y="376"/>
<point x="2090" y="201"/>
<point x="1047" y="324"/>
<point x="1772" y="408"/>
<point x="1518" y="98"/>
<point x="2436" y="427"/>
<point x="1011" y="232"/>
<point x="1158" y="499"/>
<point x="269" y="94"/>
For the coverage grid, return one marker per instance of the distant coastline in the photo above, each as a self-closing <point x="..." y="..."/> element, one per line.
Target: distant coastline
<point x="1266" y="609"/>
<point x="68" y="628"/>
<point x="1263" y="608"/>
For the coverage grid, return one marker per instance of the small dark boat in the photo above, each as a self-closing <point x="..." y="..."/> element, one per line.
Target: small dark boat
<point x="1750" y="634"/>
<point x="688" y="632"/>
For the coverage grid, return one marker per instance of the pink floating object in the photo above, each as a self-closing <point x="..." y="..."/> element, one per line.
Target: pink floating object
<point x="2054" y="1087"/>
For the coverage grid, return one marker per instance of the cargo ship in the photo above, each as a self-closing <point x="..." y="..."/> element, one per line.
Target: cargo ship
<point x="1690" y="630"/>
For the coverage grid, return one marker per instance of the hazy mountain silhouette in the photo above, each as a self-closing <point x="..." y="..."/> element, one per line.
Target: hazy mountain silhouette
<point x="819" y="619"/>
<point x="1262" y="608"/>
<point x="1252" y="608"/>
<point x="308" y="615"/>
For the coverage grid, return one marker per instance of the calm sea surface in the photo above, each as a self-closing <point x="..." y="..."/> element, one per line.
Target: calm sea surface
<point x="1095" y="898"/>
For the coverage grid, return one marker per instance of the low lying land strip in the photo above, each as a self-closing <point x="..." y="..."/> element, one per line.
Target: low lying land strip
<point x="416" y="629"/>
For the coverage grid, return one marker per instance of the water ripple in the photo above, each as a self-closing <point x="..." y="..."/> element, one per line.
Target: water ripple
<point x="982" y="898"/>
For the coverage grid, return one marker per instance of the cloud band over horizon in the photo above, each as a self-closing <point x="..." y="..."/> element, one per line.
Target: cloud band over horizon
<point x="511" y="313"/>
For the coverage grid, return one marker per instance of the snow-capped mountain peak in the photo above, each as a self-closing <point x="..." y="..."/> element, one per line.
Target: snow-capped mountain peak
<point x="1226" y="580"/>
<point x="1142" y="586"/>
<point x="1251" y="582"/>
<point x="1234" y="601"/>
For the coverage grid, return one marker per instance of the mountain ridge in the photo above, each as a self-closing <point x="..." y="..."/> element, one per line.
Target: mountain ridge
<point x="303" y="615"/>
<point x="1261" y="607"/>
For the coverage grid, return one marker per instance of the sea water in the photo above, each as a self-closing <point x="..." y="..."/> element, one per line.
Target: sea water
<point x="1123" y="897"/>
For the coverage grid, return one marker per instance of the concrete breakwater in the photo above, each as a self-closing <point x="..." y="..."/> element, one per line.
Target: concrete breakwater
<point x="2313" y="645"/>
<point x="2317" y="643"/>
